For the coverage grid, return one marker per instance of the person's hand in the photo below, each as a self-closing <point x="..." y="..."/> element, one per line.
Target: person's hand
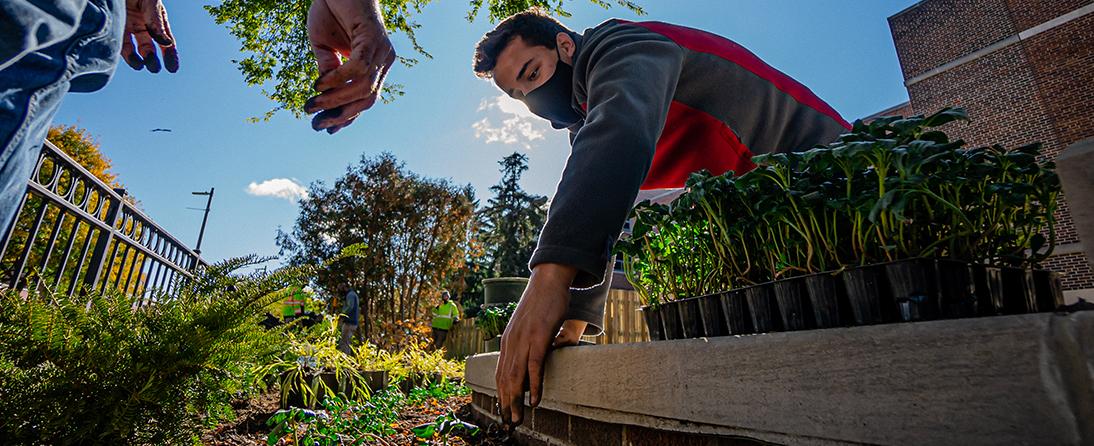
<point x="570" y="334"/>
<point x="530" y="331"/>
<point x="146" y="21"/>
<point x="353" y="30"/>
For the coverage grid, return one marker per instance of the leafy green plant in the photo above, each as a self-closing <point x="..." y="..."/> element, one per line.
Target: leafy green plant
<point x="445" y="425"/>
<point x="893" y="188"/>
<point x="492" y="320"/>
<point x="99" y="368"/>
<point x="338" y="422"/>
<point x="412" y="362"/>
<point x="306" y="367"/>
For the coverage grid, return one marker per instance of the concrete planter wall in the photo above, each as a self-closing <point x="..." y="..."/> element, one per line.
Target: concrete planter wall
<point x="1024" y="379"/>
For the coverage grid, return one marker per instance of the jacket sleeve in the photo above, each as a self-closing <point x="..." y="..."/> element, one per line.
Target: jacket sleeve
<point x="630" y="88"/>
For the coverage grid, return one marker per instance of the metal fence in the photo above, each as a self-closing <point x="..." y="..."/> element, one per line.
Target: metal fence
<point x="75" y="233"/>
<point x="622" y="324"/>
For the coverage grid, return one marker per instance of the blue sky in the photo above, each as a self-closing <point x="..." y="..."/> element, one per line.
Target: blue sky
<point x="450" y="124"/>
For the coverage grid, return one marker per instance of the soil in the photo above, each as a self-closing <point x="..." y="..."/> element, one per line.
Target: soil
<point x="249" y="428"/>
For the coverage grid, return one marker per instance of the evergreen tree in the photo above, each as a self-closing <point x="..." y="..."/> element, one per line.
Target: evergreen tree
<point x="511" y="221"/>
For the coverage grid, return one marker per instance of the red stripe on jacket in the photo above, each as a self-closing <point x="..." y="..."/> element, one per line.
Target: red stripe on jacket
<point x="692" y="141"/>
<point x="716" y="45"/>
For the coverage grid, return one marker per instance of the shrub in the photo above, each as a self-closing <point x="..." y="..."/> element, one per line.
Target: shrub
<point x="100" y="369"/>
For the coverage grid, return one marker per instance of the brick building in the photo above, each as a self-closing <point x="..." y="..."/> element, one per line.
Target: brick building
<point x="1024" y="70"/>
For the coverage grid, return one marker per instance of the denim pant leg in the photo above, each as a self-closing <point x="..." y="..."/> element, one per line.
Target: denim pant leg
<point x="35" y="79"/>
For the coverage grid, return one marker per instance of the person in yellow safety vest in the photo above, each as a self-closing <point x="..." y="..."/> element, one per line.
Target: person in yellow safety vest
<point x="444" y="315"/>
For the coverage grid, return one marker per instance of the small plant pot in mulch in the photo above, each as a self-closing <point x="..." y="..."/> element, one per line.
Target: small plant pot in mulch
<point x="1019" y="294"/>
<point x="824" y="298"/>
<point x="691" y="319"/>
<point x="763" y="308"/>
<point x="295" y="397"/>
<point x="863" y="285"/>
<point x="376" y="380"/>
<point x="670" y="319"/>
<point x="956" y="289"/>
<point x="988" y="282"/>
<point x="652" y="316"/>
<point x="912" y="285"/>
<point x="710" y="308"/>
<point x="738" y="320"/>
<point x="1050" y="294"/>
<point x="793" y="300"/>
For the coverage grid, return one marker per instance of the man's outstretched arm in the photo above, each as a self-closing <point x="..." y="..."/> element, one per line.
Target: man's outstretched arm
<point x="352" y="30"/>
<point x="631" y="88"/>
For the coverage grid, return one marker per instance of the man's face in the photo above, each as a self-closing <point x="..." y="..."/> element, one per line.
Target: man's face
<point x="522" y="68"/>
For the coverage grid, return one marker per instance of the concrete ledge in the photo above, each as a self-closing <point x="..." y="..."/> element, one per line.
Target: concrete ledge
<point x="1002" y="380"/>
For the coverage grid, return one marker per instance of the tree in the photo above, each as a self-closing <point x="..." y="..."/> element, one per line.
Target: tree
<point x="415" y="234"/>
<point x="274" y="39"/>
<point x="84" y="149"/>
<point x="512" y="220"/>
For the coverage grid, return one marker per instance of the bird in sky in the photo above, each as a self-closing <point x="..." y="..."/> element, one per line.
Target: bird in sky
<point x="160" y="130"/>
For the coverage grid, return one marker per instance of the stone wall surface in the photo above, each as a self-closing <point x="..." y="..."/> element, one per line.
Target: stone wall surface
<point x="1001" y="380"/>
<point x="1018" y="85"/>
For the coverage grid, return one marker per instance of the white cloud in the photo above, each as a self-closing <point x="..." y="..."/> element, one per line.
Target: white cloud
<point x="519" y="126"/>
<point x="285" y="188"/>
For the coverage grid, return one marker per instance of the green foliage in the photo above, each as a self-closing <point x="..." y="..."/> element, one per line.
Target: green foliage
<point x="274" y="39"/>
<point x="99" y="368"/>
<point x="342" y="421"/>
<point x="415" y="230"/>
<point x="412" y="362"/>
<point x="445" y="425"/>
<point x="493" y="320"/>
<point x="892" y="189"/>
<point x="339" y="422"/>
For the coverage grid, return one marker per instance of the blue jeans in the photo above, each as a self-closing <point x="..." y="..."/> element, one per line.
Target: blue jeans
<point x="47" y="48"/>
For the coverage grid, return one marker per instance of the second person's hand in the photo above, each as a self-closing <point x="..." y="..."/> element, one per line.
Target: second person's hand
<point x="352" y="30"/>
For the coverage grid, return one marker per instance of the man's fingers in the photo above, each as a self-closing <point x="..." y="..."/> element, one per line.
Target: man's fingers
<point x="155" y="19"/>
<point x="171" y="59"/>
<point x="326" y="58"/>
<point x="147" y="50"/>
<point x="535" y="379"/>
<point x="354" y="69"/>
<point x="337" y="97"/>
<point x="341" y="115"/>
<point x="129" y="53"/>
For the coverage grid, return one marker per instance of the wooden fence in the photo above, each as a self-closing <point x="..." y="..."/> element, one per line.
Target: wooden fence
<point x="622" y="324"/>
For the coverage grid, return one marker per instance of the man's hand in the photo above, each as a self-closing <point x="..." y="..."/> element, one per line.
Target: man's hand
<point x="570" y="334"/>
<point x="146" y="21"/>
<point x="530" y="332"/>
<point x="353" y="30"/>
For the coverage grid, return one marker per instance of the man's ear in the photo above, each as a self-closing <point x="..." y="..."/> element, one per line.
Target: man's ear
<point x="566" y="47"/>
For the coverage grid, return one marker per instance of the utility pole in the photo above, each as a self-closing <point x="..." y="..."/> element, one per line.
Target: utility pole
<point x="205" y="219"/>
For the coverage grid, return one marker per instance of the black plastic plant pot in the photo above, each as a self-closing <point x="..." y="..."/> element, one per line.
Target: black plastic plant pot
<point x="912" y="285"/>
<point x="763" y="308"/>
<point x="956" y="288"/>
<point x="793" y="303"/>
<point x="824" y="298"/>
<point x="710" y="308"/>
<point x="652" y="316"/>
<point x="691" y="319"/>
<point x="864" y="294"/>
<point x="735" y="310"/>
<point x="989" y="289"/>
<point x="670" y="319"/>
<point x="1050" y="294"/>
<point x="1019" y="295"/>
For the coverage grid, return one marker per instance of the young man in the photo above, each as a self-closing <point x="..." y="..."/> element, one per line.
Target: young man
<point x="445" y="315"/>
<point x="646" y="104"/>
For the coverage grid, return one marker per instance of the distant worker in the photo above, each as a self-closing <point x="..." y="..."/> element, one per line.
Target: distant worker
<point x="444" y="315"/>
<point x="350" y="318"/>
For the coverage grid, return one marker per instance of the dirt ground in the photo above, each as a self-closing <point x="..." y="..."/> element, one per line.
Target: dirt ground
<point x="249" y="427"/>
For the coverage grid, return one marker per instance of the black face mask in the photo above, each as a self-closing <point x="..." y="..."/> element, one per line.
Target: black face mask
<point x="553" y="100"/>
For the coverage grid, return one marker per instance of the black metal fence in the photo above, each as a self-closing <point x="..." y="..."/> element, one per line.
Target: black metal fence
<point x="75" y="233"/>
